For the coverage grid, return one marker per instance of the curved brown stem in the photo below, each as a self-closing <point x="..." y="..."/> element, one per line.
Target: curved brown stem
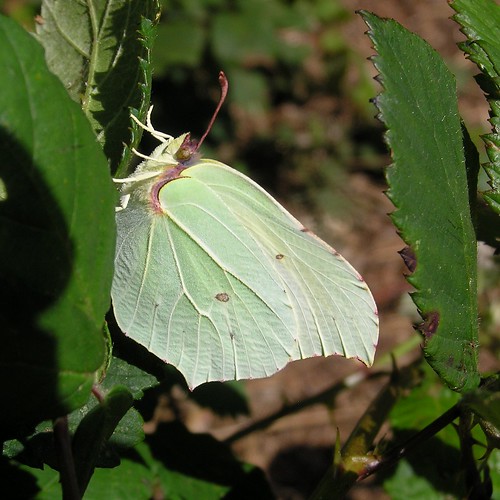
<point x="67" y="473"/>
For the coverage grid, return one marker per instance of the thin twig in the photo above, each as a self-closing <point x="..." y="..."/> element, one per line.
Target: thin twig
<point x="397" y="453"/>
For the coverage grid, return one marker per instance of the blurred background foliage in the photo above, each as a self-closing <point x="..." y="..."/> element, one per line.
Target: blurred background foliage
<point x="298" y="115"/>
<point x="292" y="113"/>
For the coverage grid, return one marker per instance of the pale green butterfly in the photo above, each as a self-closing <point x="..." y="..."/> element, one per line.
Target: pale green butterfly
<point x="215" y="277"/>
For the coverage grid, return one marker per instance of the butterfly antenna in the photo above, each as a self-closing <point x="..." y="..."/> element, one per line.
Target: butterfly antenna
<point x="223" y="93"/>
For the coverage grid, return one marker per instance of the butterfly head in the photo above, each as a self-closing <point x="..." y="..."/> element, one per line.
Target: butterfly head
<point x="188" y="150"/>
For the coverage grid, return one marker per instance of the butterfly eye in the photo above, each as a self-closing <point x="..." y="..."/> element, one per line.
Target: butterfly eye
<point x="187" y="149"/>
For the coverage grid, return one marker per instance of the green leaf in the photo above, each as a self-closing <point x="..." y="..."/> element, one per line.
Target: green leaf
<point x="485" y="401"/>
<point x="95" y="49"/>
<point x="145" y="475"/>
<point x="139" y="477"/>
<point x="46" y="482"/>
<point x="131" y="480"/>
<point x="148" y="478"/>
<point x="429" y="478"/>
<point x="176" y="484"/>
<point x="494" y="463"/>
<point x="56" y="238"/>
<point x="419" y="408"/>
<point x="132" y="377"/>
<point x="428" y="186"/>
<point x="479" y="21"/>
<point x="128" y="431"/>
<point x="147" y="37"/>
<point x="413" y="482"/>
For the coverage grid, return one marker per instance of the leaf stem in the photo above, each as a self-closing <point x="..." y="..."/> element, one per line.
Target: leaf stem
<point x="69" y="483"/>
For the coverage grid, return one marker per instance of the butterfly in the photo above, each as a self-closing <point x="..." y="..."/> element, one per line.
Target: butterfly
<point x="215" y="277"/>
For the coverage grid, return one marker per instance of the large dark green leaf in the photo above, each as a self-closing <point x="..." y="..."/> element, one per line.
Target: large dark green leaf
<point x="480" y="20"/>
<point x="153" y="477"/>
<point x="56" y="239"/>
<point x="99" y="50"/>
<point x="143" y="475"/>
<point x="428" y="186"/>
